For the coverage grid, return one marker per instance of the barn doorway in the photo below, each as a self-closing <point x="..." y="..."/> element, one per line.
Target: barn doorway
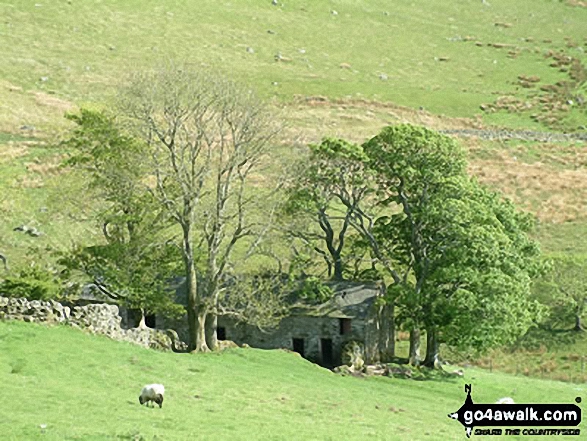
<point x="327" y="352"/>
<point x="298" y="346"/>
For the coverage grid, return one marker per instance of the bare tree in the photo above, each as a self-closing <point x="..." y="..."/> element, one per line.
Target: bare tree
<point x="206" y="135"/>
<point x="335" y="188"/>
<point x="326" y="189"/>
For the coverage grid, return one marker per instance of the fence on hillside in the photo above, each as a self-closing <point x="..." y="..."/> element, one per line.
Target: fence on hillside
<point x="571" y="370"/>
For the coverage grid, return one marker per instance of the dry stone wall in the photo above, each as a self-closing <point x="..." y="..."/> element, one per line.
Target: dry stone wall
<point x="100" y="319"/>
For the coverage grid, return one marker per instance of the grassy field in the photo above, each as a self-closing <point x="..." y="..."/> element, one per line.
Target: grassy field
<point x="449" y="58"/>
<point x="555" y="355"/>
<point x="86" y="387"/>
<point x="369" y="64"/>
<point x="334" y="68"/>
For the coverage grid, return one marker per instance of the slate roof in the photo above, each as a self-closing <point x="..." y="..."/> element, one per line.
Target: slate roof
<point x="91" y="294"/>
<point x="350" y="300"/>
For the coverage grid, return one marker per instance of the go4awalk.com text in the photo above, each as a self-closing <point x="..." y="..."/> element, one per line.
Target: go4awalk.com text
<point x="532" y="416"/>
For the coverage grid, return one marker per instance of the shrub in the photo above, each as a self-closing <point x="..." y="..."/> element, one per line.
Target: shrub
<point x="314" y="291"/>
<point x="34" y="283"/>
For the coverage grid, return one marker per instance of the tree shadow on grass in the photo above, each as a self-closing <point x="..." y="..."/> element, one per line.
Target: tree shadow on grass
<point x="399" y="368"/>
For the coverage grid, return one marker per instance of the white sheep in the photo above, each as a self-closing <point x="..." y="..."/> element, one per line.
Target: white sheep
<point x="505" y="400"/>
<point x="153" y="393"/>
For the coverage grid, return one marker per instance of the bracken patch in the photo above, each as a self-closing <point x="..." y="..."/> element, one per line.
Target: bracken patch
<point x="553" y="193"/>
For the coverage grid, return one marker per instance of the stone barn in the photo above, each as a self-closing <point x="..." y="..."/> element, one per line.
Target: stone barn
<point x="319" y="332"/>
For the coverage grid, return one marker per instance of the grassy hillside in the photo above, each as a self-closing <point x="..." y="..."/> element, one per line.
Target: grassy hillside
<point x="556" y="355"/>
<point x="367" y="65"/>
<point x="87" y="387"/>
<point x="336" y="68"/>
<point x="449" y="57"/>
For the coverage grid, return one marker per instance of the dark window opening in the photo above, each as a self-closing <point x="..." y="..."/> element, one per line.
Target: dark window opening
<point x="298" y="346"/>
<point x="150" y="320"/>
<point x="221" y="333"/>
<point x="327" y="352"/>
<point x="133" y="317"/>
<point x="345" y="326"/>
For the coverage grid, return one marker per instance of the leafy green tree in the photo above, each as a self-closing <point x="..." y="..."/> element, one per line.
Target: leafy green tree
<point x="134" y="274"/>
<point x="566" y="287"/>
<point x="115" y="164"/>
<point x="411" y="163"/>
<point x="480" y="271"/>
<point x="136" y="262"/>
<point x="332" y="173"/>
<point x="459" y="256"/>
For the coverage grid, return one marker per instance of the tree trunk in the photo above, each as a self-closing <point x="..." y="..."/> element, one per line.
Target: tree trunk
<point x="211" y="325"/>
<point x="386" y="332"/>
<point x="192" y="304"/>
<point x="578" y="324"/>
<point x="200" y="342"/>
<point x="432" y="350"/>
<point x="195" y="308"/>
<point x="414" y="358"/>
<point x="142" y="323"/>
<point x="338" y="268"/>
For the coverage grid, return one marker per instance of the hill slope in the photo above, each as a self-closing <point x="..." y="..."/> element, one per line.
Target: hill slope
<point x="449" y="57"/>
<point x="87" y="387"/>
<point x="370" y="63"/>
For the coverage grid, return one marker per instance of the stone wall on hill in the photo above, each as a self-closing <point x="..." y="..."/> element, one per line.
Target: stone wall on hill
<point x="100" y="319"/>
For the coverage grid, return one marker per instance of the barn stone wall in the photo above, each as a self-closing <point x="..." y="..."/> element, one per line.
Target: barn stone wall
<point x="317" y="334"/>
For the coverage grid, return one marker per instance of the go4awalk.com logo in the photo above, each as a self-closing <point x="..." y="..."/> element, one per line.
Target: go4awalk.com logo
<point x="536" y="416"/>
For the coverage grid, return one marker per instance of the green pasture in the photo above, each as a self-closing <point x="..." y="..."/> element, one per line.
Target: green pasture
<point x="377" y="63"/>
<point x="438" y="55"/>
<point x="62" y="384"/>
